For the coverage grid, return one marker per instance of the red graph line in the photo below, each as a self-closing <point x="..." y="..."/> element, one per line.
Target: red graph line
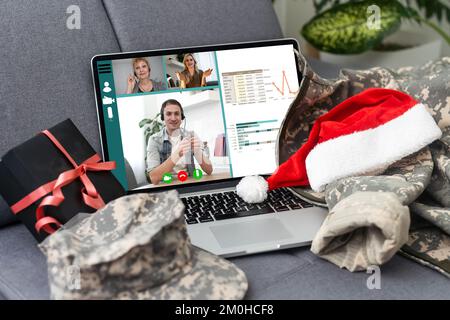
<point x="283" y="80"/>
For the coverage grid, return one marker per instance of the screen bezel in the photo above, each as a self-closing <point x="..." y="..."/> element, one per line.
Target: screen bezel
<point x="191" y="187"/>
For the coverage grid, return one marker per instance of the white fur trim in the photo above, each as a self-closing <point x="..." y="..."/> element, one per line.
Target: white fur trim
<point x="252" y="189"/>
<point x="370" y="150"/>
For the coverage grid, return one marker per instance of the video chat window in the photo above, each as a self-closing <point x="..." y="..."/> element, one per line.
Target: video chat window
<point x="146" y="135"/>
<point x="191" y="70"/>
<point x="169" y="108"/>
<point x="139" y="75"/>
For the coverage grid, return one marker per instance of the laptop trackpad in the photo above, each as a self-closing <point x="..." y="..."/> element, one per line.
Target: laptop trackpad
<point x="250" y="232"/>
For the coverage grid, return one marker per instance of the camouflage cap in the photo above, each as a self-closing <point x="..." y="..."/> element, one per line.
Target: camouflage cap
<point x="136" y="247"/>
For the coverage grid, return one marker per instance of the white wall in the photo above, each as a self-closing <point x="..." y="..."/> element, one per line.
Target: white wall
<point x="131" y="111"/>
<point x="205" y="118"/>
<point x="205" y="61"/>
<point x="123" y="68"/>
<point x="293" y="14"/>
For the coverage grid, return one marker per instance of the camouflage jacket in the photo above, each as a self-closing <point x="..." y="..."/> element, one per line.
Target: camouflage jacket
<point x="420" y="182"/>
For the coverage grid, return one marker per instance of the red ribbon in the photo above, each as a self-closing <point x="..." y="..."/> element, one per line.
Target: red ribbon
<point x="90" y="195"/>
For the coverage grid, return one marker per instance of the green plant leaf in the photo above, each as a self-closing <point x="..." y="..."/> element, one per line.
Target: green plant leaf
<point x="343" y="28"/>
<point x="143" y="122"/>
<point x="434" y="8"/>
<point x="319" y="5"/>
<point x="152" y="126"/>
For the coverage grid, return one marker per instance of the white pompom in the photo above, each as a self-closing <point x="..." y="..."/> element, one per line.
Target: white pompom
<point x="252" y="189"/>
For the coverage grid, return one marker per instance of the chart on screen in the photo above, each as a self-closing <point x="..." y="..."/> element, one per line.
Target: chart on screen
<point x="258" y="85"/>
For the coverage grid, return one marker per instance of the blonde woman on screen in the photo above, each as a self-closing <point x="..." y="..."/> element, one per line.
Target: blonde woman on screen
<point x="192" y="76"/>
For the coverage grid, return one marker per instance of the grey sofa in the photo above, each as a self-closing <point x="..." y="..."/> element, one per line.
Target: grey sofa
<point x="45" y="78"/>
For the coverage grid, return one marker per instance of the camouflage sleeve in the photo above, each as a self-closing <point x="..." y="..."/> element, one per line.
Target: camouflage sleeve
<point x="439" y="187"/>
<point x="406" y="178"/>
<point x="438" y="216"/>
<point x="429" y="244"/>
<point x="369" y="218"/>
<point x="364" y="229"/>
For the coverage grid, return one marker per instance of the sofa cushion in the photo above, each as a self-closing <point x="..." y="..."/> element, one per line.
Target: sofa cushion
<point x="287" y="274"/>
<point x="6" y="216"/>
<point x="23" y="268"/>
<point x="299" y="274"/>
<point x="45" y="69"/>
<point x="180" y="23"/>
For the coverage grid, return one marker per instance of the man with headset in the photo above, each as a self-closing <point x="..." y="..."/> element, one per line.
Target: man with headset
<point x="173" y="149"/>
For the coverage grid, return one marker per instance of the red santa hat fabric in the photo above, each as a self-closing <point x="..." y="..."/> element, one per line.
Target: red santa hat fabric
<point x="362" y="135"/>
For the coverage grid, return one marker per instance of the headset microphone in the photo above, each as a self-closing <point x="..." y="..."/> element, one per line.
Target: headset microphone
<point x="171" y="101"/>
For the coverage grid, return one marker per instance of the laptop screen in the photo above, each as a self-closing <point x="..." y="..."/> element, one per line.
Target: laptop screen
<point x="196" y="116"/>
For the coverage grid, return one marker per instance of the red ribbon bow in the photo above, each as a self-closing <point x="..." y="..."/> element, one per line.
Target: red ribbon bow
<point x="90" y="195"/>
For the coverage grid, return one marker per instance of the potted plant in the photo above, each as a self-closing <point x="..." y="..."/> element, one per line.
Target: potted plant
<point x="152" y="126"/>
<point x="363" y="33"/>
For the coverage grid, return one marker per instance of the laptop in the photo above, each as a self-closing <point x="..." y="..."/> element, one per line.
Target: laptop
<point x="197" y="120"/>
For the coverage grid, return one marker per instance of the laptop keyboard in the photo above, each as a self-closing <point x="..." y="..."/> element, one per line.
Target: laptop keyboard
<point x="228" y="205"/>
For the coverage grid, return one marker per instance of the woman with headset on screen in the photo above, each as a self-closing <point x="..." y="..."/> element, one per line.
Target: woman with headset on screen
<point x="192" y="76"/>
<point x="140" y="81"/>
<point x="173" y="148"/>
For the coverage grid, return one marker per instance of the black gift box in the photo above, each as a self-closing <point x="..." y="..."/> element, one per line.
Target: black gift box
<point x="38" y="161"/>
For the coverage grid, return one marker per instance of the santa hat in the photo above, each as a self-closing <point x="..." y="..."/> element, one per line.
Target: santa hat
<point x="362" y="135"/>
